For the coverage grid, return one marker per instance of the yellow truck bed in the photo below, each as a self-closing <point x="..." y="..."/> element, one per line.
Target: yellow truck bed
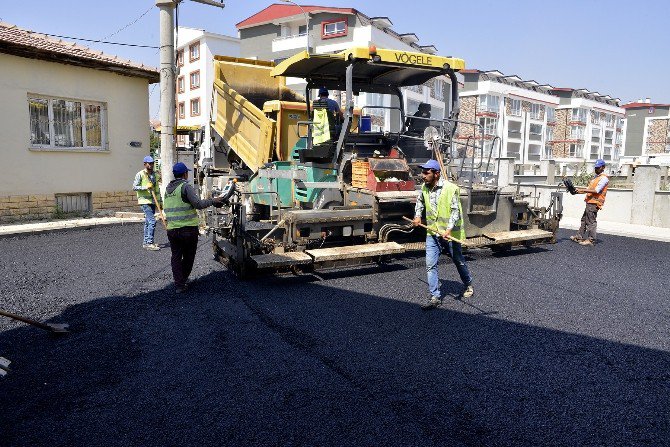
<point x="240" y="115"/>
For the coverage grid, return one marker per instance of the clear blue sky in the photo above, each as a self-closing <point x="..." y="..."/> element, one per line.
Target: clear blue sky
<point x="614" y="47"/>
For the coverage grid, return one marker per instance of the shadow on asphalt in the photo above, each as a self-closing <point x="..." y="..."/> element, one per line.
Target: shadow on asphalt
<point x="236" y="363"/>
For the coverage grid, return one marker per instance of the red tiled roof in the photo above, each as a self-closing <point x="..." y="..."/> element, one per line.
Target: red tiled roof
<point x="633" y="105"/>
<point x="278" y="11"/>
<point x="30" y="44"/>
<point x="469" y="70"/>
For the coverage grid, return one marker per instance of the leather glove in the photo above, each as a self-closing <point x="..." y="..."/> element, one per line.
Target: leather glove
<point x="218" y="202"/>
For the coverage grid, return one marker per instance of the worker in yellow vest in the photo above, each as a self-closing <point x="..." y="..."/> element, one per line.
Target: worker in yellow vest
<point x="595" y="199"/>
<point x="440" y="200"/>
<point x="145" y="182"/>
<point x="180" y="205"/>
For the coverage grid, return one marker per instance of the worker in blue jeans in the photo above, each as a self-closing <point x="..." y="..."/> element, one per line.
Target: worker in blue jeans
<point x="440" y="200"/>
<point x="144" y="184"/>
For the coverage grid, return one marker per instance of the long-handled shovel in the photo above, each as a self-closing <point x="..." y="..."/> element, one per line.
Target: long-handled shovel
<point x="51" y="327"/>
<point x="160" y="211"/>
<point x="462" y="242"/>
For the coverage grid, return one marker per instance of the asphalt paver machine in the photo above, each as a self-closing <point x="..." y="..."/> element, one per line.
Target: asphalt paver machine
<point x="311" y="189"/>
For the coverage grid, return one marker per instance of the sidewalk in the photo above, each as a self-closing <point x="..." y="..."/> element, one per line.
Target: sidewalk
<point x="622" y="229"/>
<point x="41" y="227"/>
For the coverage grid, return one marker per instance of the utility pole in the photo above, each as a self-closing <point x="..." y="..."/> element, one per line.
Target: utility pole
<point x="168" y="112"/>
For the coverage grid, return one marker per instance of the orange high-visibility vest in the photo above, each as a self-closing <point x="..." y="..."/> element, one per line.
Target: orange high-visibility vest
<point x="596" y="198"/>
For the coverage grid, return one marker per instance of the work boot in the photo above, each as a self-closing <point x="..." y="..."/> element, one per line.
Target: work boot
<point x="181" y="289"/>
<point x="151" y="247"/>
<point x="586" y="242"/>
<point x="432" y="303"/>
<point x="468" y="292"/>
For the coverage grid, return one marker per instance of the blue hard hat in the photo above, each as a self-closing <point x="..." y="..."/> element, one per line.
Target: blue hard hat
<point x="148" y="159"/>
<point x="431" y="164"/>
<point x="599" y="163"/>
<point x="323" y="91"/>
<point x="179" y="168"/>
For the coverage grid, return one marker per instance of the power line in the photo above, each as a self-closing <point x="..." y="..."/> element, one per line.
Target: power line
<point x="130" y="24"/>
<point x="96" y="41"/>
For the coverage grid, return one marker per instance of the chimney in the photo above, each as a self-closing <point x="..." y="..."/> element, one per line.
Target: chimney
<point x="647" y="100"/>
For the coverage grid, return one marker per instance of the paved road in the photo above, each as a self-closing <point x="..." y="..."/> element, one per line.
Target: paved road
<point x="566" y="346"/>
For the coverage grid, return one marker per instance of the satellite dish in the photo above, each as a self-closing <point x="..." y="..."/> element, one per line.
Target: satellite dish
<point x="431" y="135"/>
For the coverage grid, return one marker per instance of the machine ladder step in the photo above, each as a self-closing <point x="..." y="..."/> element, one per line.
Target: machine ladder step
<point x="507" y="237"/>
<point x="355" y="251"/>
<point x="274" y="260"/>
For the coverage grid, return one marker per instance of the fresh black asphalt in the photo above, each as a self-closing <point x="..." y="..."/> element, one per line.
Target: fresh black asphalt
<point x="563" y="345"/>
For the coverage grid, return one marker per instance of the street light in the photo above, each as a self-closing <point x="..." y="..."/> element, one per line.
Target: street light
<point x="306" y="19"/>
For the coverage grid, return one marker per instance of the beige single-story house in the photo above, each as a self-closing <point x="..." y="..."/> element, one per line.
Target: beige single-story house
<point x="74" y="126"/>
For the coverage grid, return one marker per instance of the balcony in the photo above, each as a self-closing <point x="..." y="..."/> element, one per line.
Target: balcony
<point x="285" y="43"/>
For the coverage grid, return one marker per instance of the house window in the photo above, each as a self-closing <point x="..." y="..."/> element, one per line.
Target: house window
<point x="194" y="79"/>
<point x="607" y="152"/>
<point x="551" y="114"/>
<point x="576" y="133"/>
<point x="194" y="52"/>
<point x="534" y="151"/>
<point x="595" y="151"/>
<point x="437" y="91"/>
<point x="490" y="125"/>
<point x="489" y="103"/>
<point x="535" y="132"/>
<point x="515" y="107"/>
<point x="182" y="110"/>
<point x="575" y="150"/>
<point x="180" y="84"/>
<point x="549" y="136"/>
<point x="579" y="115"/>
<point x="332" y="29"/>
<point x="514" y="129"/>
<point x="181" y="140"/>
<point x="195" y="107"/>
<point x="536" y="111"/>
<point x="180" y="58"/>
<point x="302" y="30"/>
<point x="608" y="136"/>
<point x="57" y="123"/>
<point x="595" y="135"/>
<point x="514" y="150"/>
<point x="609" y="120"/>
<point x="595" y="117"/>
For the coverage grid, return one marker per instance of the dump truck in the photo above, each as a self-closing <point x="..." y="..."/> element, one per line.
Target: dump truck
<point x="310" y="188"/>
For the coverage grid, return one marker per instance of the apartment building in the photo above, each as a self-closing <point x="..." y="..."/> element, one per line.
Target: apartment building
<point x="588" y="126"/>
<point x="647" y="132"/>
<point x="515" y="118"/>
<point x="281" y="30"/>
<point x="196" y="49"/>
<point x="530" y="122"/>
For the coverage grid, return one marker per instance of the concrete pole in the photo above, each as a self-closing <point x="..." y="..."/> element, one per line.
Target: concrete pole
<point x="548" y="169"/>
<point x="647" y="181"/>
<point x="168" y="90"/>
<point x="506" y="174"/>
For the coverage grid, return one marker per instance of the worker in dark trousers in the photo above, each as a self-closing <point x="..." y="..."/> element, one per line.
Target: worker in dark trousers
<point x="181" y="202"/>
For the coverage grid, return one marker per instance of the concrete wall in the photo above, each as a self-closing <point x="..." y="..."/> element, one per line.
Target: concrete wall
<point x="42" y="173"/>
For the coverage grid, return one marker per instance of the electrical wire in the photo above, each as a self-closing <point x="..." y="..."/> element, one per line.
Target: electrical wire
<point x="95" y="41"/>
<point x="130" y="24"/>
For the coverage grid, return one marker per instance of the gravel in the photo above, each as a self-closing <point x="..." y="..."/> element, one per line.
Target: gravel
<point x="563" y="345"/>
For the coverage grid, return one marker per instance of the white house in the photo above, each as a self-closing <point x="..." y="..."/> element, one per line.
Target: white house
<point x="74" y="124"/>
<point x="196" y="49"/>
